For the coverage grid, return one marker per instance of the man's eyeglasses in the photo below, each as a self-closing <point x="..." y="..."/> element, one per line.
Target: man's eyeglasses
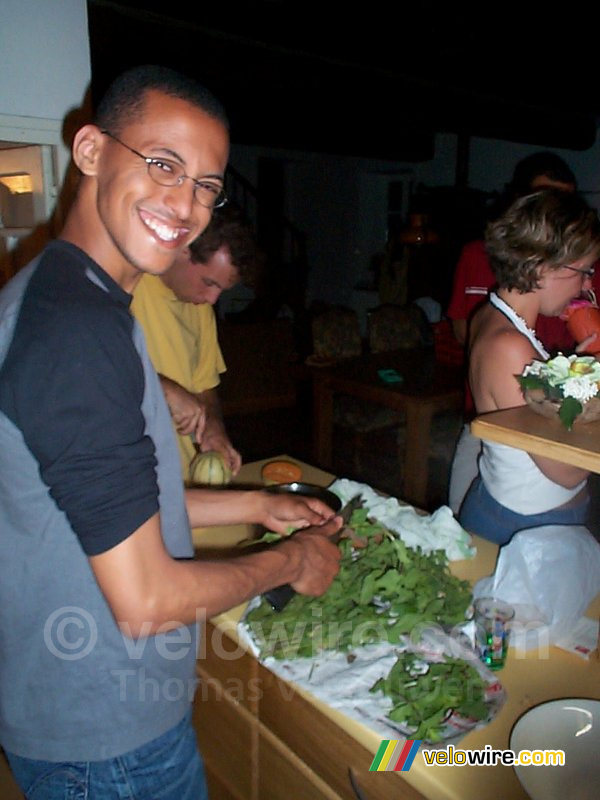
<point x="169" y="173"/>
<point x="589" y="273"/>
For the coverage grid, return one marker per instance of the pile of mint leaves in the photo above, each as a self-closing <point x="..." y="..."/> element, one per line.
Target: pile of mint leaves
<point x="384" y="591"/>
<point x="423" y="699"/>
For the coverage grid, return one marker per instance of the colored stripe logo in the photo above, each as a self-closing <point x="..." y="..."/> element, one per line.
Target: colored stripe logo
<point x="395" y="755"/>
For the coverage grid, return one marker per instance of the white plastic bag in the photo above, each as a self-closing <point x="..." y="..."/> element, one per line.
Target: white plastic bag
<point x="549" y="575"/>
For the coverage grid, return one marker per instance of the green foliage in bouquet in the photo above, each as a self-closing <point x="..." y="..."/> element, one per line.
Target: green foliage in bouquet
<point x="567" y="381"/>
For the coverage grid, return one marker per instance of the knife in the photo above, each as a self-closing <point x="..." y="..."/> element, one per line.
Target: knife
<point x="280" y="596"/>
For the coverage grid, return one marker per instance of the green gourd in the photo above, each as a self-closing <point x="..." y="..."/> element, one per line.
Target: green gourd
<point x="209" y="468"/>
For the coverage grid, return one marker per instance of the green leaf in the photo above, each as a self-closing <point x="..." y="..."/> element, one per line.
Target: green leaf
<point x="367" y="590"/>
<point x="412" y="577"/>
<point x="430" y="727"/>
<point x="476" y="709"/>
<point x="530" y="382"/>
<point x="569" y="409"/>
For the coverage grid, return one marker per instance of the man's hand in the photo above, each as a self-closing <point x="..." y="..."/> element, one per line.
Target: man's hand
<point x="187" y="410"/>
<point x="214" y="436"/>
<point x="219" y="441"/>
<point x="282" y="512"/>
<point x="318" y="557"/>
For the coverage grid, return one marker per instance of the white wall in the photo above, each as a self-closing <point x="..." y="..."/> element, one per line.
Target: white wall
<point x="45" y="57"/>
<point x="45" y="63"/>
<point x="341" y="203"/>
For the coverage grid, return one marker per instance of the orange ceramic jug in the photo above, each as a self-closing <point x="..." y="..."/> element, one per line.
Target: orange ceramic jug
<point x="583" y="319"/>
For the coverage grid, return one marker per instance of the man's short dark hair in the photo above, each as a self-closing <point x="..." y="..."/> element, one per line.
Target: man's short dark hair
<point x="123" y="100"/>
<point x="230" y="228"/>
<point x="544" y="163"/>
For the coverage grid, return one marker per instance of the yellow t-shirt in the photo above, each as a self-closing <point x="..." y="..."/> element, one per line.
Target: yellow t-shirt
<point x="182" y="343"/>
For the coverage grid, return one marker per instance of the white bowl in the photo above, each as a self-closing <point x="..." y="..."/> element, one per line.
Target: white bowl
<point x="571" y="725"/>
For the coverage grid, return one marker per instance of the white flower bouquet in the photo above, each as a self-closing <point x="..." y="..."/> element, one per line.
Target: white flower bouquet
<point x="566" y="386"/>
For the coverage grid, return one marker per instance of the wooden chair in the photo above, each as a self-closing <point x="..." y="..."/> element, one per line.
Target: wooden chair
<point x="394" y="327"/>
<point x="336" y="336"/>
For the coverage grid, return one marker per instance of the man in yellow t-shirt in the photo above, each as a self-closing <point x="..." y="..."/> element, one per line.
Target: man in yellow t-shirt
<point x="176" y="313"/>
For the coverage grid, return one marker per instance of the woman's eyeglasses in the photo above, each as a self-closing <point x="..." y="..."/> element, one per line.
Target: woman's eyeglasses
<point x="589" y="273"/>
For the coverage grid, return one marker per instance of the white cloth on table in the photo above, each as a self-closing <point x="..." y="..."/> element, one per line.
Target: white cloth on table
<point x="437" y="531"/>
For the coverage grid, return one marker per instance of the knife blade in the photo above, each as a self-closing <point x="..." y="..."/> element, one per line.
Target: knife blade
<point x="280" y="596"/>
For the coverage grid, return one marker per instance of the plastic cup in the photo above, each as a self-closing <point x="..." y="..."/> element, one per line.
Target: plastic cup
<point x="492" y="619"/>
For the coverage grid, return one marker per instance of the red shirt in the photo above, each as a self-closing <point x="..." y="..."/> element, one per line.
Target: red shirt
<point x="473" y="278"/>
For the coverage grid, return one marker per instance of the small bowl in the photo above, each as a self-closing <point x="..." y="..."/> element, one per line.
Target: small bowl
<point x="280" y="472"/>
<point x="308" y="490"/>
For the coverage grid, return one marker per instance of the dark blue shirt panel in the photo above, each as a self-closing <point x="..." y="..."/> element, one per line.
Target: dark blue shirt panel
<point x="73" y="383"/>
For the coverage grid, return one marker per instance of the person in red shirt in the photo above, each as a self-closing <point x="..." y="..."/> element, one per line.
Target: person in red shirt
<point x="474" y="278"/>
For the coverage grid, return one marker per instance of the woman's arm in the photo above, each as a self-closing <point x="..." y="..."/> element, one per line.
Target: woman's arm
<point x="495" y="387"/>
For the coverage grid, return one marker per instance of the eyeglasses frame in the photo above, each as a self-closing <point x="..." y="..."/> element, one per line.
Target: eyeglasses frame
<point x="588" y="273"/>
<point x="221" y="198"/>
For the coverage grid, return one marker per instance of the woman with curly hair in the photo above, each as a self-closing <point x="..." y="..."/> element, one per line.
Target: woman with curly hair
<point x="542" y="250"/>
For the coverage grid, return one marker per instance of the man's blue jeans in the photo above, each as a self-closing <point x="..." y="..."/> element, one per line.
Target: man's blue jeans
<point x="168" y="768"/>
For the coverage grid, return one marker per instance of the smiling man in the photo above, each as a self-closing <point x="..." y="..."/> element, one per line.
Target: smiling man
<point x="100" y="595"/>
<point x="176" y="313"/>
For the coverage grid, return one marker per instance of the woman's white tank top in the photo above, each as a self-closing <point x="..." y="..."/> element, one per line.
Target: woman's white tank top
<point x="510" y="475"/>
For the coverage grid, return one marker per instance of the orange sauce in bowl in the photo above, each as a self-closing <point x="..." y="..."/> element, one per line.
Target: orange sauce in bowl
<point x="281" y="472"/>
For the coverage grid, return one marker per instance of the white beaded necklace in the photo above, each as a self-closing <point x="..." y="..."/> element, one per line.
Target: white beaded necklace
<point x="519" y="323"/>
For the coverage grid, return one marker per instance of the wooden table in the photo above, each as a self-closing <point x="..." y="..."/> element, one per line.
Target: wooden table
<point x="295" y="729"/>
<point x="524" y="429"/>
<point x="428" y="387"/>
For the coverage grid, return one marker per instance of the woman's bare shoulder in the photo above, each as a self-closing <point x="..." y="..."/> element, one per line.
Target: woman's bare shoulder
<point x="503" y="342"/>
<point x="503" y="351"/>
<point x="512" y="344"/>
<point x="499" y="364"/>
